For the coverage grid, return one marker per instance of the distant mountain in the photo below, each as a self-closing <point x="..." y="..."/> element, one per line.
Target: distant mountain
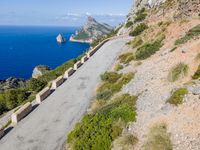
<point x="91" y="31"/>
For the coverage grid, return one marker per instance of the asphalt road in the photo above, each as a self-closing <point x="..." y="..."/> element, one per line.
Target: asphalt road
<point x="46" y="127"/>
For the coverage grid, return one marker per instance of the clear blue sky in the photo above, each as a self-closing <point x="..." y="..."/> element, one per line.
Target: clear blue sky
<point x="61" y="12"/>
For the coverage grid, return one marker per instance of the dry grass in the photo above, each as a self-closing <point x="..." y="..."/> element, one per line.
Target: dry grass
<point x="158" y="138"/>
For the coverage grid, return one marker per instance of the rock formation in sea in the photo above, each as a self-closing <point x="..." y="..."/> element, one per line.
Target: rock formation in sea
<point x="91" y="31"/>
<point x="60" y="39"/>
<point x="39" y="71"/>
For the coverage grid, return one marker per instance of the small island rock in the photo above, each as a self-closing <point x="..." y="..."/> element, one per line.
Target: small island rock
<point x="60" y="39"/>
<point x="39" y="71"/>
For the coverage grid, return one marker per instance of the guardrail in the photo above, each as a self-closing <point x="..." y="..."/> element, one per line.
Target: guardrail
<point x="1" y="132"/>
<point x="56" y="83"/>
<point x="42" y="95"/>
<point x="21" y="113"/>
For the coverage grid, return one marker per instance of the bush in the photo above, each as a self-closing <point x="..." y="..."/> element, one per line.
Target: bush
<point x="177" y="96"/>
<point x="108" y="89"/>
<point x="197" y="74"/>
<point x="97" y="131"/>
<point x="180" y="70"/>
<point x="110" y="77"/>
<point x="104" y="95"/>
<point x="138" y="30"/>
<point x="129" y="24"/>
<point x="36" y="84"/>
<point x="148" y="49"/>
<point x="158" y="139"/>
<point x="189" y="35"/>
<point x="140" y="15"/>
<point x="126" y="58"/>
<point x="11" y="99"/>
<point x="128" y="140"/>
<point x="136" y="42"/>
<point x="118" y="67"/>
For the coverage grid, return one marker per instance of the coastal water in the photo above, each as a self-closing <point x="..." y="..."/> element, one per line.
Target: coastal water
<point x="23" y="48"/>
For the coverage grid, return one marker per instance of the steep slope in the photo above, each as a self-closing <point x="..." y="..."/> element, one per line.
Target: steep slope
<point x="90" y="31"/>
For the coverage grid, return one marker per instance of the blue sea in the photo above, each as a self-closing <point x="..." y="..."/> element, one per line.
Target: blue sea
<point x="22" y="48"/>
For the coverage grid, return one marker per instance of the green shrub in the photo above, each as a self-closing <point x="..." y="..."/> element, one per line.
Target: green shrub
<point x="158" y="139"/>
<point x="104" y="95"/>
<point x="118" y="67"/>
<point x="126" y="58"/>
<point x="136" y="42"/>
<point x="116" y="131"/>
<point x="138" y="30"/>
<point x="129" y="24"/>
<point x="97" y="131"/>
<point x="108" y="89"/>
<point x="11" y="99"/>
<point x="148" y="49"/>
<point x="110" y="77"/>
<point x="180" y="70"/>
<point x="197" y="74"/>
<point x="189" y="35"/>
<point x="140" y="15"/>
<point x="36" y="84"/>
<point x="177" y="96"/>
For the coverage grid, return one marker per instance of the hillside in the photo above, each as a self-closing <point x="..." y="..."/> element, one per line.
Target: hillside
<point x="91" y="31"/>
<point x="149" y="99"/>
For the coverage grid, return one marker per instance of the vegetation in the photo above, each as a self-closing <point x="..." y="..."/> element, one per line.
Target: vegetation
<point x="36" y="85"/>
<point x="129" y="24"/>
<point x="189" y="35"/>
<point x="118" y="67"/>
<point x="97" y="131"/>
<point x="11" y="99"/>
<point x="180" y="70"/>
<point x="158" y="139"/>
<point x="110" y="77"/>
<point x="138" y="29"/>
<point x="197" y="74"/>
<point x="126" y="58"/>
<point x="136" y="42"/>
<point x="108" y="88"/>
<point x="148" y="49"/>
<point x="140" y="15"/>
<point x="197" y="57"/>
<point x="177" y="96"/>
<point x="128" y="140"/>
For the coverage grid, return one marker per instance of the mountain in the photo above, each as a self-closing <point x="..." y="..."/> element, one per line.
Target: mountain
<point x="91" y="31"/>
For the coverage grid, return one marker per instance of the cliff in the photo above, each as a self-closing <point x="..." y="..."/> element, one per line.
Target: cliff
<point x="91" y="31"/>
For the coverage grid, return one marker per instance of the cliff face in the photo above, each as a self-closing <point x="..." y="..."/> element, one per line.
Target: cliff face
<point x="91" y="31"/>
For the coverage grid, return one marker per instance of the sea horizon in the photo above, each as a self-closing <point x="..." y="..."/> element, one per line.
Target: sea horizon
<point x="28" y="46"/>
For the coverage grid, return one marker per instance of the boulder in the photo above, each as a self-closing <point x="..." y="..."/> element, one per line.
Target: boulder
<point x="39" y="71"/>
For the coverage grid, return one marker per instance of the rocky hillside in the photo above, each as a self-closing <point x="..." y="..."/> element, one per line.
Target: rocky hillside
<point x="158" y="107"/>
<point x="91" y="31"/>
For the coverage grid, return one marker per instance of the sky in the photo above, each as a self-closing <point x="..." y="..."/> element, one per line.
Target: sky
<point x="62" y="12"/>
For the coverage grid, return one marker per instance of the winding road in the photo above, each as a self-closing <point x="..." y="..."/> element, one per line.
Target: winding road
<point x="46" y="127"/>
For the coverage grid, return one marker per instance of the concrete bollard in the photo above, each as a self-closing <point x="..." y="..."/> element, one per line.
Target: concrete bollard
<point x="56" y="83"/>
<point x="42" y="95"/>
<point x="69" y="72"/>
<point x="1" y="132"/>
<point x="84" y="59"/>
<point x="77" y="65"/>
<point x="21" y="113"/>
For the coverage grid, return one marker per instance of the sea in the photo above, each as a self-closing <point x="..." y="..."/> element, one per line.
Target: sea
<point x="24" y="47"/>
